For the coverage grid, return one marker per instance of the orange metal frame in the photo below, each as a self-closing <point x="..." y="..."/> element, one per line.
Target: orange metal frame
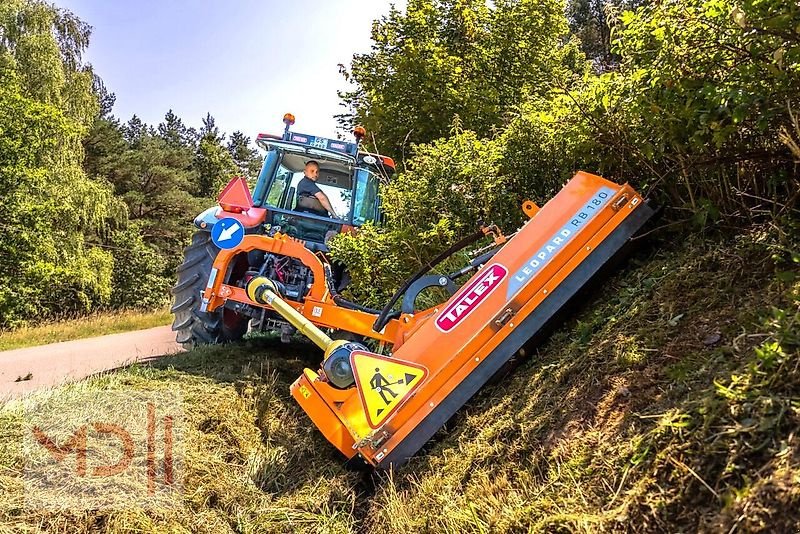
<point x="318" y="306"/>
<point x="451" y="356"/>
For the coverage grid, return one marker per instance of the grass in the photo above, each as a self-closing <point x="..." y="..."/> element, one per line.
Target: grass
<point x="252" y="463"/>
<point x="640" y="425"/>
<point x="95" y="325"/>
<point x="669" y="403"/>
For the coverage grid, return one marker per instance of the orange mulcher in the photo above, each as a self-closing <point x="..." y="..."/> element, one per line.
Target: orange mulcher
<point x="384" y="407"/>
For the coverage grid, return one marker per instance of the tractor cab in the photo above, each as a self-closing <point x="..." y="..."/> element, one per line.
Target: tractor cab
<point x="349" y="178"/>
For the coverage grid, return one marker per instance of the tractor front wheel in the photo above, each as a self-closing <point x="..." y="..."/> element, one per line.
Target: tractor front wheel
<point x="193" y="326"/>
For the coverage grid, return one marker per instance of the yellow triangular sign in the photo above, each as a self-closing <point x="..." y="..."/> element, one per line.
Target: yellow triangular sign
<point x="384" y="383"/>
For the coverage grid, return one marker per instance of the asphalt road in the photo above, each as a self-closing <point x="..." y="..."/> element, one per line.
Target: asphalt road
<point x="51" y="365"/>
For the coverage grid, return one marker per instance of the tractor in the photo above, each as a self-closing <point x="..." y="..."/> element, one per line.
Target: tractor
<point x="396" y="375"/>
<point x="350" y="178"/>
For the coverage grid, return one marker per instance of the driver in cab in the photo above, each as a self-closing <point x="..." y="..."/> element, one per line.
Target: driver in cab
<point x="310" y="197"/>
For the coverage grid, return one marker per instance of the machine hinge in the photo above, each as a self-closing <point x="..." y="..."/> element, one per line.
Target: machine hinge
<point x="504" y="317"/>
<point x="621" y="201"/>
<point x="373" y="440"/>
<point x="376" y="441"/>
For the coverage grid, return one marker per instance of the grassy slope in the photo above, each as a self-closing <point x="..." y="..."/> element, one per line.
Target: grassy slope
<point x="94" y="325"/>
<point x="631" y="418"/>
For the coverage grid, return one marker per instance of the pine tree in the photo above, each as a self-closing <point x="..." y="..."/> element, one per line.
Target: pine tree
<point x="175" y="132"/>
<point x="246" y="158"/>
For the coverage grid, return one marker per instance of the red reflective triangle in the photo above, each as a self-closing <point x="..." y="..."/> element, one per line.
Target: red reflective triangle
<point x="236" y="195"/>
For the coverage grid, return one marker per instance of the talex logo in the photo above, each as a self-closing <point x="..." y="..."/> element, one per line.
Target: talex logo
<point x="471" y="297"/>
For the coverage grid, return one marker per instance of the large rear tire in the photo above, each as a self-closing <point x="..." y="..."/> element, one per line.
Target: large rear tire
<point x="193" y="326"/>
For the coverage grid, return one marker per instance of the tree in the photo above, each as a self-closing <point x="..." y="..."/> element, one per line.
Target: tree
<point x="50" y="213"/>
<point x="154" y="179"/>
<point x="105" y="99"/>
<point x="443" y="58"/>
<point x="246" y="158"/>
<point x="103" y="146"/>
<point x="134" y="130"/>
<point x="213" y="164"/>
<point x="214" y="167"/>
<point x="589" y="21"/>
<point x="209" y="129"/>
<point x="44" y="46"/>
<point x="175" y="133"/>
<point x="152" y="175"/>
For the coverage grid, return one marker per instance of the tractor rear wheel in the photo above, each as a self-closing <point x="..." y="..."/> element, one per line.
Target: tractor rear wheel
<point x="193" y="326"/>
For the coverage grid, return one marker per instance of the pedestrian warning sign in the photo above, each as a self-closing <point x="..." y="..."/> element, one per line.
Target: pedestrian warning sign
<point x="384" y="383"/>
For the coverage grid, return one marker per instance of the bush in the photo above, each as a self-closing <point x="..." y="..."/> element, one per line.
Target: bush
<point x="544" y="146"/>
<point x="140" y="279"/>
<point x="704" y="90"/>
<point x="449" y="186"/>
<point x="699" y="114"/>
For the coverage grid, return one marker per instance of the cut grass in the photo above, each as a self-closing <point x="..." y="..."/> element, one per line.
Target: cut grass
<point x="626" y="420"/>
<point x="252" y="463"/>
<point x="92" y="326"/>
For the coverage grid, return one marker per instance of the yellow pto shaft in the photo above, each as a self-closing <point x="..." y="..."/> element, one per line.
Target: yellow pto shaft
<point x="263" y="290"/>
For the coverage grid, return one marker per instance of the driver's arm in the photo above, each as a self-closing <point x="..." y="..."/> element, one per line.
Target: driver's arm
<point x="323" y="199"/>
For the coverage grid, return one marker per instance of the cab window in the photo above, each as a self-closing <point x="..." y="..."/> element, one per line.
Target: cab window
<point x="277" y="193"/>
<point x="365" y="207"/>
<point x="335" y="183"/>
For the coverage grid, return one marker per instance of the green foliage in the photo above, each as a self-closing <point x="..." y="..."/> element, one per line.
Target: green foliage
<point x="442" y="58"/>
<point x="591" y="20"/>
<point x="375" y="262"/>
<point x="699" y="111"/>
<point x="449" y="186"/>
<point x="140" y="277"/>
<point x="74" y="243"/>
<point x="707" y="81"/>
<point x="152" y="176"/>
<point x="47" y="205"/>
<point x="544" y="146"/>
<point x="175" y="133"/>
<point x="247" y="160"/>
<point x="454" y="179"/>
<point x="703" y="92"/>
<point x="153" y="180"/>
<point x="698" y="114"/>
<point x="43" y="45"/>
<point x="156" y="172"/>
<point x="215" y="167"/>
<point x="213" y="164"/>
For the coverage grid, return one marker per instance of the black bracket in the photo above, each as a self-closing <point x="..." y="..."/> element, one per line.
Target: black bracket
<point x="424" y="282"/>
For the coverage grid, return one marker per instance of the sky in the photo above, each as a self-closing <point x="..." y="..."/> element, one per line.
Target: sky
<point x="246" y="62"/>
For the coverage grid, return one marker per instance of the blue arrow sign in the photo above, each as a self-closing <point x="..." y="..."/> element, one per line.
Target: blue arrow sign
<point x="227" y="233"/>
